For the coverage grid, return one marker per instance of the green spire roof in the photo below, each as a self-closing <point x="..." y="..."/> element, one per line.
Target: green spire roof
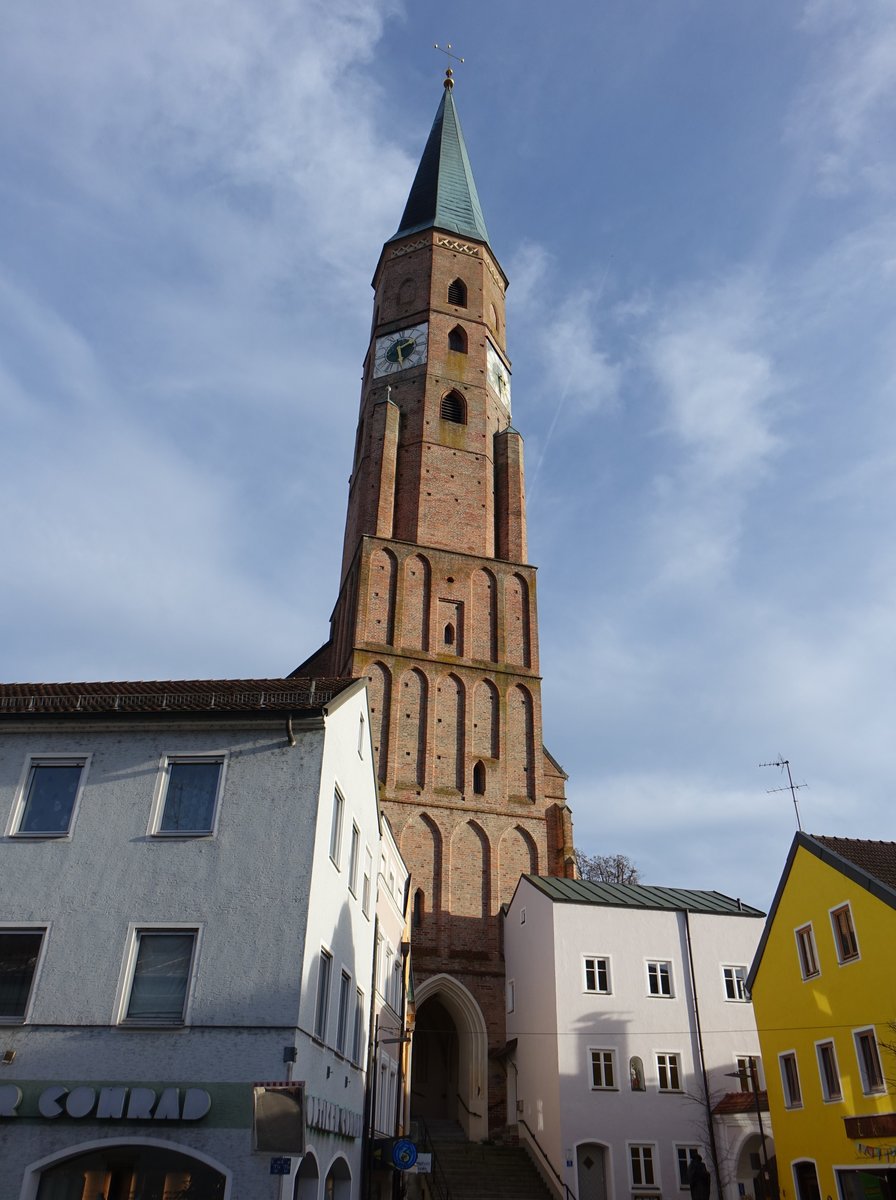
<point x="443" y="194"/>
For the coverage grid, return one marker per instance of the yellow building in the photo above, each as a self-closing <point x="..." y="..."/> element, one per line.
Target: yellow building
<point x="823" y="985"/>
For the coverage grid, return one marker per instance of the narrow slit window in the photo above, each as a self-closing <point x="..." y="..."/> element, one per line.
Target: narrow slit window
<point x="479" y="779"/>
<point x="449" y="634"/>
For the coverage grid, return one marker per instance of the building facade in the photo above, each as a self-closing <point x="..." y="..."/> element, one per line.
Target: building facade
<point x="437" y="609"/>
<point x="631" y="1037"/>
<point x="824" y="988"/>
<point x="186" y="933"/>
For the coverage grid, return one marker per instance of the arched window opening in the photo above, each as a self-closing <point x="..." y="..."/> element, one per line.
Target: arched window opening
<point x="636" y="1074"/>
<point x="479" y="779"/>
<point x="493" y="318"/>
<point x="418" y="908"/>
<point x="449" y="634"/>
<point x="454" y="408"/>
<point x="457" y="293"/>
<point x="457" y="340"/>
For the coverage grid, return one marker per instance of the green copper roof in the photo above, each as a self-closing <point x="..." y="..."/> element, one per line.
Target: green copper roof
<point x="637" y="895"/>
<point x="443" y="195"/>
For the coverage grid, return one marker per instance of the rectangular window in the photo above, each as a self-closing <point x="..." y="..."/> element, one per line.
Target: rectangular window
<point x="869" y="1061"/>
<point x="48" y="799"/>
<point x="844" y="934"/>
<point x="345" y="991"/>
<point x="603" y="1069"/>
<point x="735" y="983"/>
<point x="668" y="1072"/>
<point x="353" y="856"/>
<point x="365" y="891"/>
<point x="659" y="978"/>
<point x="189" y="799"/>
<point x="641" y="1161"/>
<point x="597" y="975"/>
<point x="336" y="826"/>
<point x="805" y="944"/>
<point x="683" y="1156"/>
<point x="323" y="995"/>
<point x="748" y="1072"/>
<point x="19" y="952"/>
<point x="790" y="1079"/>
<point x="159" y="985"/>
<point x="828" y="1071"/>
<point x="510" y="995"/>
<point x="358" y="1030"/>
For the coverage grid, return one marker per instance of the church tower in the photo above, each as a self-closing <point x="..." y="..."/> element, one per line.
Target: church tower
<point x="437" y="607"/>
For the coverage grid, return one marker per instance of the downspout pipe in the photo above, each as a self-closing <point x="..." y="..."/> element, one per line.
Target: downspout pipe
<point x="708" y="1103"/>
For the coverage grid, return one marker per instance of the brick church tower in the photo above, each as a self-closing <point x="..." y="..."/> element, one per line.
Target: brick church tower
<point x="437" y="608"/>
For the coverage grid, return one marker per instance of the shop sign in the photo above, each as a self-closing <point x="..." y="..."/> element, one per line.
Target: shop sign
<point x="332" y="1118"/>
<point x="112" y="1103"/>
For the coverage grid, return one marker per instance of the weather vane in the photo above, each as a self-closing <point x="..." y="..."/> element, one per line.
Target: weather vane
<point x="449" y="74"/>
<point x="792" y="787"/>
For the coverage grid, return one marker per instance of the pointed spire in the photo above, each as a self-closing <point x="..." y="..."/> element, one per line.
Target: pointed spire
<point x="443" y="194"/>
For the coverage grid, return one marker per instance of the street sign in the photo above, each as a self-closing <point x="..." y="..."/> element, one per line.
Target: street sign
<point x="281" y="1166"/>
<point x="404" y="1154"/>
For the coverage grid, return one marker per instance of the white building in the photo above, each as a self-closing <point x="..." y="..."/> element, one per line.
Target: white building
<point x="186" y="911"/>
<point x="626" y="1018"/>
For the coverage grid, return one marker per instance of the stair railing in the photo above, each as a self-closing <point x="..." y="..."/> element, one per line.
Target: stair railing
<point x="568" y="1195"/>
<point x="438" y="1180"/>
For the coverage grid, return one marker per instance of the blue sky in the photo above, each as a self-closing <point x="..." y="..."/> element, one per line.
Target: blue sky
<point x="694" y="204"/>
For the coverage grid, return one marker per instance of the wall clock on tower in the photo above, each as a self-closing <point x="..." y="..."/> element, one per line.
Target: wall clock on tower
<point x="400" y="349"/>
<point x="498" y="375"/>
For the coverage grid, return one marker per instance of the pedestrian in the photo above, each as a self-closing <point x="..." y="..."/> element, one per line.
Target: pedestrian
<point x="698" y="1177"/>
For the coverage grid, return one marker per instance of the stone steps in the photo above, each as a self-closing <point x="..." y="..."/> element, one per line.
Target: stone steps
<point x="484" y="1172"/>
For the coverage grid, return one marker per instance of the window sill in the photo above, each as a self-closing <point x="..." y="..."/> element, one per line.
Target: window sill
<point x="34" y="835"/>
<point x="185" y="835"/>
<point x="136" y="1023"/>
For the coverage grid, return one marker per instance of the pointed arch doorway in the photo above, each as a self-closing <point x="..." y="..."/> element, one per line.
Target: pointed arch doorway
<point x="449" y="1073"/>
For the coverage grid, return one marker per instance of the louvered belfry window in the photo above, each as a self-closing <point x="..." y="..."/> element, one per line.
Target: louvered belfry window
<point x="457" y="293"/>
<point x="454" y="408"/>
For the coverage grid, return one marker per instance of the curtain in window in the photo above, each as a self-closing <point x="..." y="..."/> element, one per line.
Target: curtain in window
<point x="160" y="976"/>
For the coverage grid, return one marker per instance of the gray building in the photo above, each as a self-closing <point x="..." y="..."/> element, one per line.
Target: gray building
<point x="186" y="933"/>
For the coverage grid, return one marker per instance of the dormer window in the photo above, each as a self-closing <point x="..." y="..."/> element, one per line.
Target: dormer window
<point x="454" y="408"/>
<point x="457" y="340"/>
<point x="457" y="293"/>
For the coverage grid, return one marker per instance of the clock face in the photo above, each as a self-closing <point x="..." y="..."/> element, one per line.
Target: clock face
<point x="498" y="375"/>
<point x="401" y="349"/>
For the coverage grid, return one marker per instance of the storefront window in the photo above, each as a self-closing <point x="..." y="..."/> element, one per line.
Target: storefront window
<point x="129" y="1172"/>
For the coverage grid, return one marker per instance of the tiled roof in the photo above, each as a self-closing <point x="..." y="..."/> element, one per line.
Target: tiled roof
<point x="875" y="858"/>
<point x="172" y="695"/>
<point x="637" y="895"/>
<point x="443" y="194"/>
<point x="740" y="1102"/>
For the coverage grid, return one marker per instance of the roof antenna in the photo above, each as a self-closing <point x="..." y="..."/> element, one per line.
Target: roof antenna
<point x="792" y="787"/>
<point x="449" y="74"/>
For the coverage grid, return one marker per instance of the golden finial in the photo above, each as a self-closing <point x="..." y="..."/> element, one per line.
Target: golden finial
<point x="449" y="74"/>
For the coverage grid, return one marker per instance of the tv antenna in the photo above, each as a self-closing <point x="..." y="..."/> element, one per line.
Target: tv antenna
<point x="784" y="764"/>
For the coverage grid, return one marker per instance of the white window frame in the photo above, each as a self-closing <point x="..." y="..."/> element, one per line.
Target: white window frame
<point x="322" y="996"/>
<point x="829" y="1096"/>
<point x="337" y="819"/>
<point x="160" y="794"/>
<point x="668" y="1064"/>
<point x="659" y="963"/>
<point x="358" y="1028"/>
<point x="17" y="812"/>
<point x="844" y="959"/>
<point x="43" y="928"/>
<point x="607" y="1056"/>
<point x="354" y="856"/>
<point x="789" y="1100"/>
<point x="688" y="1149"/>
<point x="343" y="1004"/>
<point x="642" y="1186"/>
<point x="805" y="936"/>
<point x="869" y="1087"/>
<point x="367" y="882"/>
<point x="735" y="975"/>
<point x="597" y="965"/>
<point x="136" y="930"/>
